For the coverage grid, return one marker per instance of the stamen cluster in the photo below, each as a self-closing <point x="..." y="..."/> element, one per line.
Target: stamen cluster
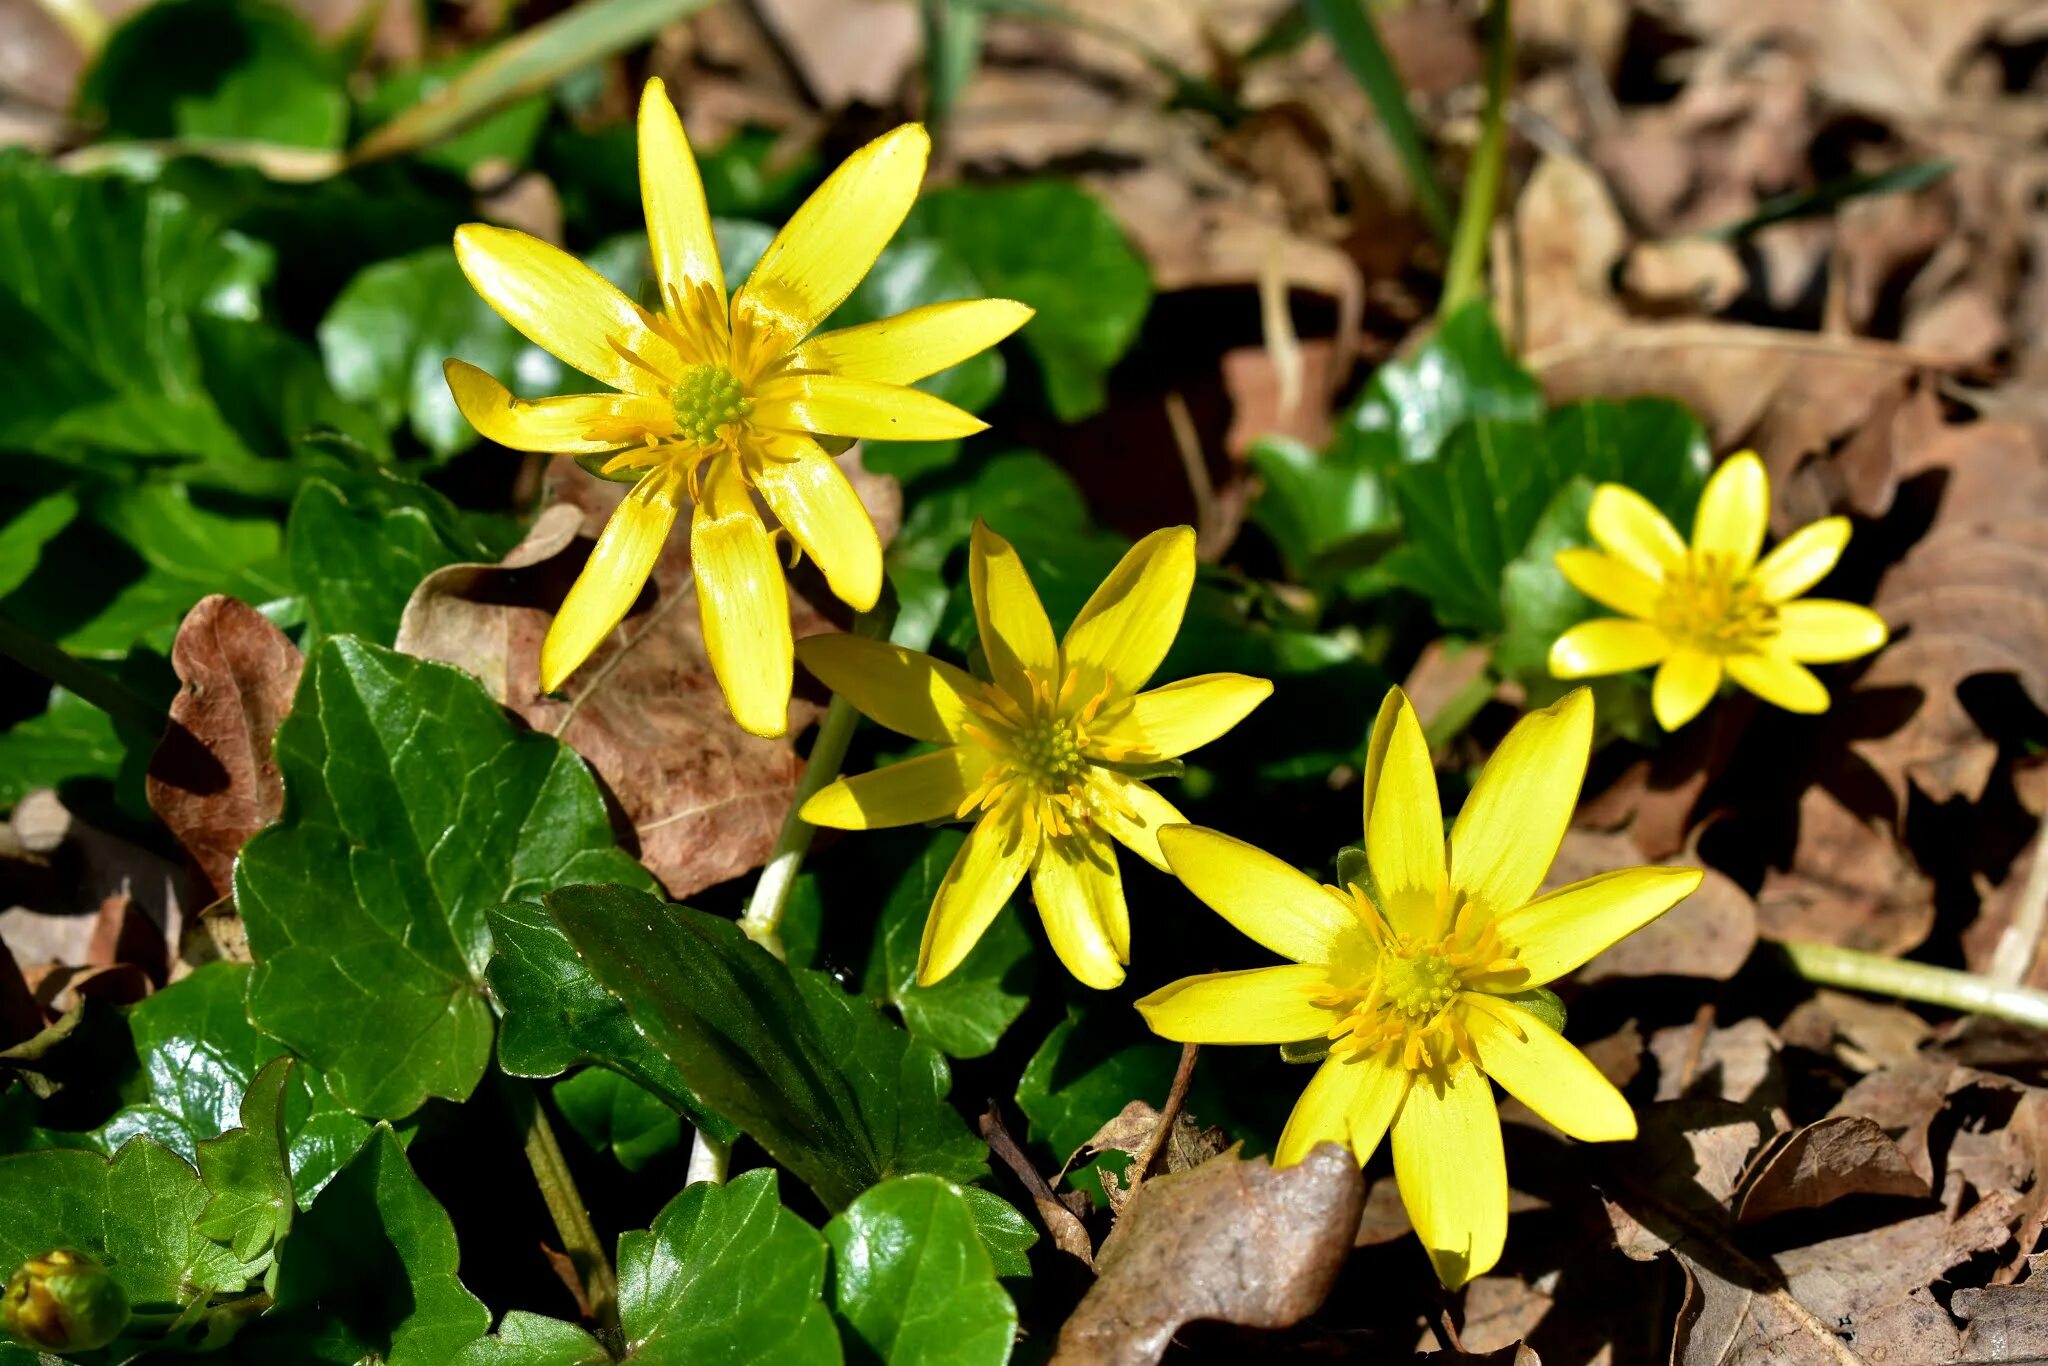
<point x="1042" y="747"/>
<point x="1710" y="603"/>
<point x="707" y="398"/>
<point x="1404" y="1001"/>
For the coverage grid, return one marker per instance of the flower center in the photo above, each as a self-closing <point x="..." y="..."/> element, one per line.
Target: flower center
<point x="1041" y="750"/>
<point x="1709" y="605"/>
<point x="1403" y="1000"/>
<point x="707" y="398"/>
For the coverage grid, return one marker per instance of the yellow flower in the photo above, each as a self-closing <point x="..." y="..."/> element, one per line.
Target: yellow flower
<point x="1413" y="979"/>
<point x="1696" y="612"/>
<point x="724" y="402"/>
<point x="1044" y="752"/>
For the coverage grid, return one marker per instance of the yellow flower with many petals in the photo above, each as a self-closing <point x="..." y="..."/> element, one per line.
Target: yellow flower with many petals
<point x="724" y="402"/>
<point x="1414" y="979"/>
<point x="1713" y="607"/>
<point x="1046" y="751"/>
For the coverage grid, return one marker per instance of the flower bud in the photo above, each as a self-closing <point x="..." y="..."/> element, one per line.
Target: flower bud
<point x="64" y="1301"/>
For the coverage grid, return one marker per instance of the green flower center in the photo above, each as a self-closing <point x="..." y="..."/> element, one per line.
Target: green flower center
<point x="1418" y="986"/>
<point x="1719" y="611"/>
<point x="709" y="397"/>
<point x="1051" y="752"/>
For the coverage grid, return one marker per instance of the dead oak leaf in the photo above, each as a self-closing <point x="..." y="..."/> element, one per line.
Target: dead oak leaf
<point x="1231" y="1240"/>
<point x="1827" y="1161"/>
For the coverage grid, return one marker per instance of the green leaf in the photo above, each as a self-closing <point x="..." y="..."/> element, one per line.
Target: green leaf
<point x="198" y="1055"/>
<point x="556" y="1017"/>
<point x="725" y="1275"/>
<point x="1057" y="248"/>
<point x="1077" y="1081"/>
<point x="609" y="1112"/>
<point x="386" y="335"/>
<point x="368" y="1274"/>
<point x="1314" y="506"/>
<point x="913" y="1281"/>
<point x="134" y="1214"/>
<point x="357" y="560"/>
<point x="1537" y="605"/>
<point x="833" y="1091"/>
<point x="233" y="70"/>
<point x="247" y="1172"/>
<point x="412" y="805"/>
<point x="1005" y="1232"/>
<point x="525" y="1339"/>
<point x="507" y="136"/>
<point x="70" y="740"/>
<point x="965" y="1015"/>
<point x="1411" y="406"/>
<point x="27" y="531"/>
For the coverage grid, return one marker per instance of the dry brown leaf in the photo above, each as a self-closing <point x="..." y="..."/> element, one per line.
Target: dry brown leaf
<point x="1229" y="1240"/>
<point x="213" y="779"/>
<point x="2006" y="1323"/>
<point x="704" y="798"/>
<point x="1860" y="1033"/>
<point x="1826" y="1161"/>
<point x="1567" y="238"/>
<point x="1851" y="884"/>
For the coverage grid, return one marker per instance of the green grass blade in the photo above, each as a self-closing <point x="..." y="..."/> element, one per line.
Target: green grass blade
<point x="1357" y="39"/>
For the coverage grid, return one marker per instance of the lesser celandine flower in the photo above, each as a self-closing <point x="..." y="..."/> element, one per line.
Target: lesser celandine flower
<point x="1046" y="752"/>
<point x="1698" y="611"/>
<point x="1415" y="979"/>
<point x="722" y="402"/>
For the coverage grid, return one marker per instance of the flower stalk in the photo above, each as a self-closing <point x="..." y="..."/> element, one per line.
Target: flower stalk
<point x="1464" y="275"/>
<point x="1876" y="975"/>
<point x="580" y="1241"/>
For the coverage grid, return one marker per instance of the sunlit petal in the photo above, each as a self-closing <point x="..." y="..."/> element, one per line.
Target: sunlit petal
<point x="1348" y="1101"/>
<point x="742" y="602"/>
<point x="1133" y="813"/>
<point x="1685" y="683"/>
<point x="1279" y="906"/>
<point x="1255" y="1005"/>
<point x="1610" y="645"/>
<point x="672" y="194"/>
<point x="1613" y="583"/>
<point x="1168" y="722"/>
<point x="576" y="424"/>
<point x="1557" y="932"/>
<point x="1540" y="1069"/>
<point x="611" y="579"/>
<point x="997" y="854"/>
<point x="1404" y="825"/>
<point x="910" y="693"/>
<point x="1780" y="680"/>
<point x="1016" y="636"/>
<point x="911" y="345"/>
<point x="1734" y="509"/>
<point x="1129" y="622"/>
<point x="1451" y="1170"/>
<point x="566" y="308"/>
<point x="1801" y="560"/>
<point x="1510" y="827"/>
<point x="833" y="405"/>
<point x="1629" y="527"/>
<point x="929" y="787"/>
<point x="1080" y="895"/>
<point x="1819" y="631"/>
<point x="811" y="497"/>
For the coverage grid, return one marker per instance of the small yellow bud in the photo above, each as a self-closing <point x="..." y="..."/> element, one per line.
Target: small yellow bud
<point x="64" y="1301"/>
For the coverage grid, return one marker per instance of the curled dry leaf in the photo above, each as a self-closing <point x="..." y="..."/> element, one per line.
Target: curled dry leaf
<point x="704" y="798"/>
<point x="1229" y="1240"/>
<point x="1826" y="1161"/>
<point x="213" y="780"/>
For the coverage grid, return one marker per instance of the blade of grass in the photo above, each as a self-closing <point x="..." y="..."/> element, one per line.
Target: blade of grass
<point x="1831" y="195"/>
<point x="1189" y="90"/>
<point x="952" y="49"/>
<point x="1357" y="40"/>
<point x="87" y="681"/>
<point x="1464" y="276"/>
<point x="518" y="67"/>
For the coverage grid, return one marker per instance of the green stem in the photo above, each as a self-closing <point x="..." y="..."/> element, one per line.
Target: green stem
<point x="1463" y="277"/>
<point x="1880" y="976"/>
<point x="1357" y="40"/>
<point x="551" y="1173"/>
<point x="89" y="682"/>
<point x="763" y="920"/>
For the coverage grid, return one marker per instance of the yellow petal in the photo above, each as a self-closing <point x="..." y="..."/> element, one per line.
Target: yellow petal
<point x="1254" y="1005"/>
<point x="1451" y="1170"/>
<point x="672" y="194"/>
<point x="929" y="787"/>
<point x="1734" y="508"/>
<point x="1130" y="620"/>
<point x="1610" y="645"/>
<point x="576" y="424"/>
<point x="1279" y="906"/>
<point x="1132" y="813"/>
<point x="1015" y="634"/>
<point x="834" y="237"/>
<point x="1080" y="896"/>
<point x="1629" y="527"/>
<point x="566" y="308"/>
<point x="1820" y="631"/>
<point x="1801" y="560"/>
<point x="1614" y="584"/>
<point x="909" y="346"/>
<point x="910" y="693"/>
<point x="742" y="601"/>
<point x="1168" y="722"/>
<point x="833" y="405"/>
<point x="1685" y="683"/>
<point x="1556" y="933"/>
<point x="1781" y="681"/>
<point x="812" y="499"/>
<point x="1349" y="1101"/>
<point x="987" y="869"/>
<point x="611" y="579"/>
<point x="1545" y="1073"/>
<point x="1510" y="827"/>
<point x="1404" y="825"/>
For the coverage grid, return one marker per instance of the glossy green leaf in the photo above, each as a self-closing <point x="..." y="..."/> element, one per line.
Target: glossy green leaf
<point x="356" y="560"/>
<point x="412" y="805"/>
<point x="612" y="1114"/>
<point x="1537" y="605"/>
<point x="556" y="1017"/>
<point x="525" y="1339"/>
<point x="387" y="334"/>
<point x="1315" y="506"/>
<point x="247" y="1172"/>
<point x="964" y="1015"/>
<point x="230" y="70"/>
<point x="1056" y="247"/>
<point x="1411" y="406"/>
<point x="912" y="1280"/>
<point x="69" y="740"/>
<point x="1005" y="1233"/>
<point x="833" y="1091"/>
<point x="368" y="1274"/>
<point x="27" y="530"/>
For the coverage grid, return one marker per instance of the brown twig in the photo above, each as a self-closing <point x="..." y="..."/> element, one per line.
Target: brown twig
<point x="1176" y="1100"/>
<point x="1061" y="1223"/>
